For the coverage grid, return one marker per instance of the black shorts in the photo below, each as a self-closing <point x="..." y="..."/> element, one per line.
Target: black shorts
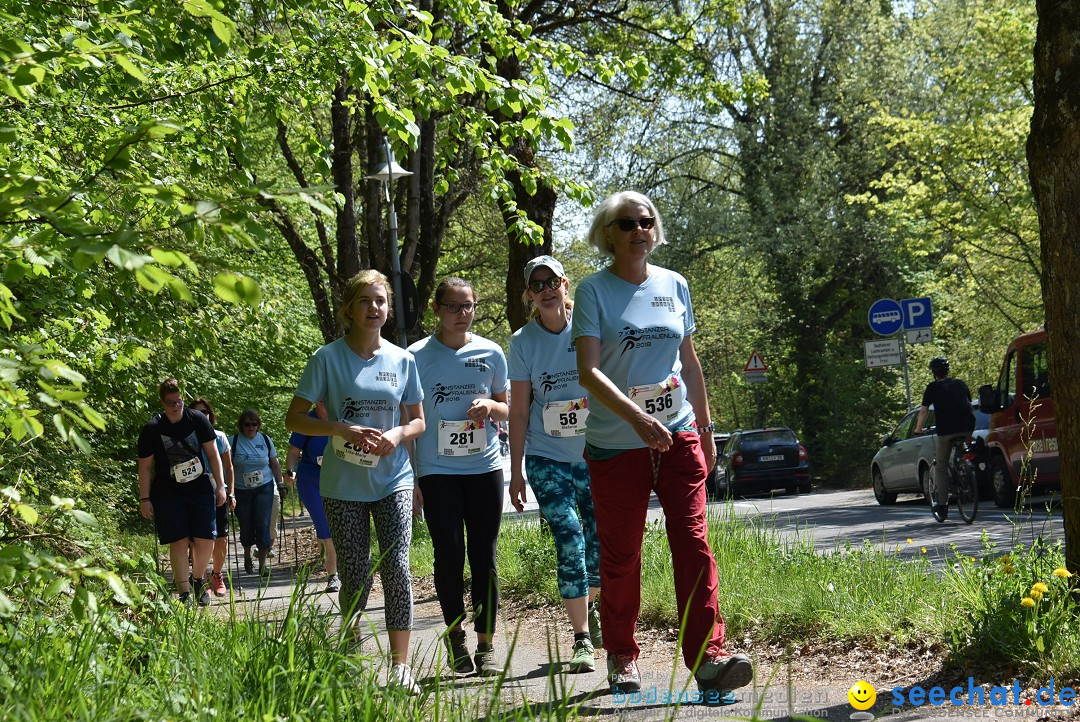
<point x="223" y="520"/>
<point x="192" y="516"/>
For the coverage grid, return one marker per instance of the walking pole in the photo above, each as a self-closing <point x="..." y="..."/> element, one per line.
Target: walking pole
<point x="234" y="524"/>
<point x="295" y="544"/>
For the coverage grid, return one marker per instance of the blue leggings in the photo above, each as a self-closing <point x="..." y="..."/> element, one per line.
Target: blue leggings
<point x="562" y="491"/>
<point x="307" y="486"/>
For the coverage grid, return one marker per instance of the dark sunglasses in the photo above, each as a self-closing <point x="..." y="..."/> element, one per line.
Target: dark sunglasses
<point x="256" y="424"/>
<point x="538" y="286"/>
<point x="628" y="224"/>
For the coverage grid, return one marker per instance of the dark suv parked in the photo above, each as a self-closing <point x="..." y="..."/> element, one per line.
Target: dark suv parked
<point x="761" y="460"/>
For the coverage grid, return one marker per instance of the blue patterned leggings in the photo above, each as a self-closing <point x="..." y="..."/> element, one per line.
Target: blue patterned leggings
<point x="351" y="530"/>
<point x="562" y="491"/>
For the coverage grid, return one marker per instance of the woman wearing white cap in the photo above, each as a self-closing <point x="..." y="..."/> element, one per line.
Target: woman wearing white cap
<point x="547" y="427"/>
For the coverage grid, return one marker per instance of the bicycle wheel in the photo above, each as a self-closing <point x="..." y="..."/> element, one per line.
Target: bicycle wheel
<point x="967" y="490"/>
<point x="940" y="512"/>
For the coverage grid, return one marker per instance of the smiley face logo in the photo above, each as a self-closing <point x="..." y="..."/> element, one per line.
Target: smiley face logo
<point x="862" y="695"/>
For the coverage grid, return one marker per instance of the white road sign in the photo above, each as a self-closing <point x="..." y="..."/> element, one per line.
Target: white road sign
<point x="883" y="353"/>
<point x="920" y="335"/>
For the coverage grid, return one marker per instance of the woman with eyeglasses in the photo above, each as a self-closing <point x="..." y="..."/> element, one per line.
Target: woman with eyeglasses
<point x="221" y="543"/>
<point x="648" y="430"/>
<point x="371" y="390"/>
<point x="548" y="411"/>
<point x="255" y="471"/>
<point x="459" y="469"/>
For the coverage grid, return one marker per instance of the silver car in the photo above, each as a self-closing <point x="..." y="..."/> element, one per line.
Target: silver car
<point x="904" y="461"/>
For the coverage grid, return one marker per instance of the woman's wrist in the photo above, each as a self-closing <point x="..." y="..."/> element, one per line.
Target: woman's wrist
<point x="143" y="498"/>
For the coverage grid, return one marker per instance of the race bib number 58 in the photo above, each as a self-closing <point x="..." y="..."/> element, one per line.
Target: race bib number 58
<point x="566" y="419"/>
<point x="658" y="400"/>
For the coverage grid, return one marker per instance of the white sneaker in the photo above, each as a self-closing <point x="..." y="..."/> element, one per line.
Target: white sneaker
<point x="401" y="678"/>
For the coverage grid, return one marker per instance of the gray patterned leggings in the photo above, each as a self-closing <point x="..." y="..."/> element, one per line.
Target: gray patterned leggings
<point x="350" y="529"/>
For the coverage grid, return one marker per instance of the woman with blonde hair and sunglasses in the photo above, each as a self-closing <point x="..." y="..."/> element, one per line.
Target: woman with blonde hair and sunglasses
<point x="648" y="430"/>
<point x="371" y="390"/>
<point x="548" y="412"/>
<point x="459" y="468"/>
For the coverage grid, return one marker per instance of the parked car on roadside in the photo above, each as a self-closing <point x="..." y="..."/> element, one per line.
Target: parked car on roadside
<point x="905" y="460"/>
<point x="759" y="460"/>
<point x="902" y="465"/>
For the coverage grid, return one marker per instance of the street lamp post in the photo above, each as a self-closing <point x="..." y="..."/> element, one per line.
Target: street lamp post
<point x="386" y="172"/>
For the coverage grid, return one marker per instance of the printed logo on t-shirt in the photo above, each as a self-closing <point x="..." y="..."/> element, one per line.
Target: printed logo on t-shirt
<point x="364" y="408"/>
<point x="477" y="363"/>
<point x="387" y="377"/>
<point x="632" y="338"/>
<point x="441" y="392"/>
<point x="664" y="302"/>
<point x="550" y="382"/>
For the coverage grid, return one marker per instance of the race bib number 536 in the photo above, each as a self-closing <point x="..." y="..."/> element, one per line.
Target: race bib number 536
<point x="660" y="401"/>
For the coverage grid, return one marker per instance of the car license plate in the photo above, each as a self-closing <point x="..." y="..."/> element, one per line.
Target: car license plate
<point x="772" y="457"/>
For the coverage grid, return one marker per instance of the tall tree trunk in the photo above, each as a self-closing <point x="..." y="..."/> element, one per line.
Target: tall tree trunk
<point x="1053" y="152"/>
<point x="348" y="249"/>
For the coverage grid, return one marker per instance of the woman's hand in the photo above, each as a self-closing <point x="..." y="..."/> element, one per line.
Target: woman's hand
<point x="362" y="436"/>
<point x="146" y="509"/>
<point x="417" y="501"/>
<point x="517" y="491"/>
<point x="708" y="447"/>
<point x="479" y="409"/>
<point x="653" y="433"/>
<point x="388" y="442"/>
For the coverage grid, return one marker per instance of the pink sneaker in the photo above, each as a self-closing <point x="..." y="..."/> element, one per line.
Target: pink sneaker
<point x="217" y="583"/>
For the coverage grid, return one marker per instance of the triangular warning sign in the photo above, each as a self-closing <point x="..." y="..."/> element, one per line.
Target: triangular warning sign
<point x="756" y="363"/>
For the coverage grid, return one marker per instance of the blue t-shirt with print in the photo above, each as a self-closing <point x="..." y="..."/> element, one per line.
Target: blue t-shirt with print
<point x="251" y="461"/>
<point x="366" y="392"/>
<point x="452" y="379"/>
<point x="640" y="330"/>
<point x="312" y="449"/>
<point x="548" y="362"/>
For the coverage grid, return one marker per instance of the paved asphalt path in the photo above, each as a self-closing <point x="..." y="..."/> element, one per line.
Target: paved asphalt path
<point x="533" y="679"/>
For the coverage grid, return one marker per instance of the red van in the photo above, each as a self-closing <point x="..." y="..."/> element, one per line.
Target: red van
<point x="1021" y="408"/>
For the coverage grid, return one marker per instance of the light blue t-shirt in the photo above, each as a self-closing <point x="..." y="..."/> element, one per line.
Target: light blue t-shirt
<point x="640" y="330"/>
<point x="368" y="392"/>
<point x="549" y="362"/>
<point x="452" y="379"/>
<point x="251" y="461"/>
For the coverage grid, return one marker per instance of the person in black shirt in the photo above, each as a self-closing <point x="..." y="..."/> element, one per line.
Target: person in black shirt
<point x="954" y="418"/>
<point x="176" y="490"/>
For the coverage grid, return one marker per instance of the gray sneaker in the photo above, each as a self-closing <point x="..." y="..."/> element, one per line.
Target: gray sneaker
<point x="486" y="666"/>
<point x="584" y="657"/>
<point x="333" y="584"/>
<point x="457" y="652"/>
<point x="724" y="673"/>
<point x="594" y="625"/>
<point x="623" y="675"/>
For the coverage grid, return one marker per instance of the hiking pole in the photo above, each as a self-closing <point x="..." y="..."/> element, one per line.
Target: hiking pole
<point x="295" y="544"/>
<point x="234" y="524"/>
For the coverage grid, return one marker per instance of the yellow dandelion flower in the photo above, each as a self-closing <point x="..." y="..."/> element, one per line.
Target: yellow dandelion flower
<point x="1009" y="569"/>
<point x="1035" y="594"/>
<point x="1040" y="587"/>
<point x="1062" y="572"/>
<point x="1027" y="602"/>
<point x="909" y="541"/>
<point x="923" y="549"/>
<point x="1006" y="559"/>
<point x="897" y="547"/>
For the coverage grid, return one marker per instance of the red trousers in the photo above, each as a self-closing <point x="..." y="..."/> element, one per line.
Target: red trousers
<point x="621" y="488"/>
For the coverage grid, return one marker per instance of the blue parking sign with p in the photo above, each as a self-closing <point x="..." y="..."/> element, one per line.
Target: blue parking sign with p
<point x="886" y="317"/>
<point x="918" y="313"/>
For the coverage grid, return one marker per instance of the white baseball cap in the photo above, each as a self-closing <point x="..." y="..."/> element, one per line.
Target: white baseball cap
<point x="543" y="261"/>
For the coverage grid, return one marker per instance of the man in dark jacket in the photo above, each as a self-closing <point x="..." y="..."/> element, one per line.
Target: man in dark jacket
<point x="954" y="417"/>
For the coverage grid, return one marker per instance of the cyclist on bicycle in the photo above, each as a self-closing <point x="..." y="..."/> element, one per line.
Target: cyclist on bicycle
<point x="955" y="418"/>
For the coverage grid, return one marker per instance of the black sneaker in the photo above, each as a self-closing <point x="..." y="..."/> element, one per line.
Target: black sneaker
<point x="941" y="512"/>
<point x="184" y="598"/>
<point x="201" y="593"/>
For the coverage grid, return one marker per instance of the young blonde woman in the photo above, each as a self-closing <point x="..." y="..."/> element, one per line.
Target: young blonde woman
<point x="460" y="469"/>
<point x="366" y="382"/>
<point x="548" y="411"/>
